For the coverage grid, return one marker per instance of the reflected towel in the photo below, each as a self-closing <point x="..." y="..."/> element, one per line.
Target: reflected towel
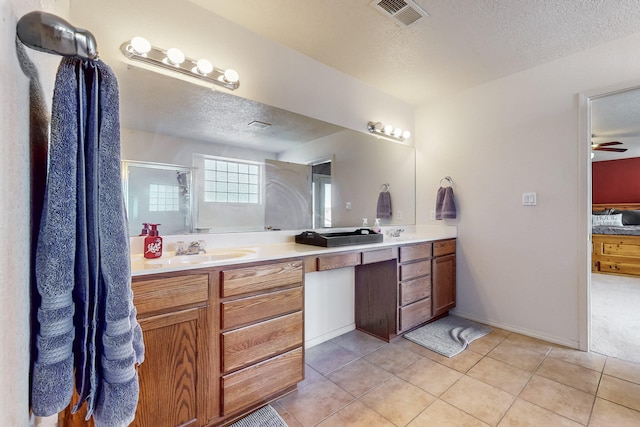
<point x="383" y="209"/>
<point x="445" y="204"/>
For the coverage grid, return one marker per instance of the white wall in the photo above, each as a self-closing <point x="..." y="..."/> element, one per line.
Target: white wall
<point x="520" y="267"/>
<point x="14" y="209"/>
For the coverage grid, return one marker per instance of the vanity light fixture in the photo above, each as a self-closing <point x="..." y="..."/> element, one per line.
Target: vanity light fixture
<point x="139" y="49"/>
<point x="387" y="131"/>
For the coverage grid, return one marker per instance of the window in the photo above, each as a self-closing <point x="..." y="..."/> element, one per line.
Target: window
<point x="228" y="181"/>
<point x="163" y="198"/>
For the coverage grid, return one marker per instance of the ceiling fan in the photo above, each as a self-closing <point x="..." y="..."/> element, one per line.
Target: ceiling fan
<point x="606" y="146"/>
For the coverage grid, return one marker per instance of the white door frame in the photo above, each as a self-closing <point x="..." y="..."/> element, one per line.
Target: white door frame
<point x="584" y="206"/>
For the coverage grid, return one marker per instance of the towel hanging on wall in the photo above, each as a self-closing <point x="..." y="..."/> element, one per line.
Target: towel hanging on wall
<point x="383" y="209"/>
<point x="445" y="203"/>
<point x="87" y="329"/>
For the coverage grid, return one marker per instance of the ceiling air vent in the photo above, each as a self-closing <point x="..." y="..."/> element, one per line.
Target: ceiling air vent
<point x="404" y="12"/>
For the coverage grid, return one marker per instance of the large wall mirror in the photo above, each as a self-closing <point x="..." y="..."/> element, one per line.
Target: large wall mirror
<point x="209" y="161"/>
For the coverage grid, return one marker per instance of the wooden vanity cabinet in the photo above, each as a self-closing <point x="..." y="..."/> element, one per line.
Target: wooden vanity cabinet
<point x="261" y="334"/>
<point x="444" y="276"/>
<point x="414" y="285"/>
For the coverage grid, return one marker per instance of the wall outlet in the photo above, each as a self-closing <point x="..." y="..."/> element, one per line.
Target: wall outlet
<point x="399" y="215"/>
<point x="347" y="206"/>
<point x="432" y="215"/>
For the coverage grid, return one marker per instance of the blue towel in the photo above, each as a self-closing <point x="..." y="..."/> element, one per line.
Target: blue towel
<point x="445" y="204"/>
<point x="383" y="209"/>
<point x="82" y="258"/>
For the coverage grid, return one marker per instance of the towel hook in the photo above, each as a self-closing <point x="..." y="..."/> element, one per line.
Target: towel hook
<point x="385" y="187"/>
<point x="447" y="179"/>
<point x="49" y="33"/>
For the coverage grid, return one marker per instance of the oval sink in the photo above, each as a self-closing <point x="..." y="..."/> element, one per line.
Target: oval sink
<point x="209" y="257"/>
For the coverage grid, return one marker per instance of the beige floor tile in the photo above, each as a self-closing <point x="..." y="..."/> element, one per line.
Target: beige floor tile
<point x="461" y="362"/>
<point x="569" y="374"/>
<point x="329" y="356"/>
<point x="501" y="375"/>
<point x="359" y="342"/>
<point x="525" y="414"/>
<point x="487" y="343"/>
<point x="359" y="377"/>
<point x="397" y="400"/>
<point x="430" y="376"/>
<point x="392" y="358"/>
<point x="310" y="376"/>
<point x="593" y="361"/>
<point x="356" y="414"/>
<point x="539" y="346"/>
<point x="481" y="400"/>
<point x="622" y="369"/>
<point x="317" y="401"/>
<point x="619" y="391"/>
<point x="517" y="356"/>
<point x="607" y="414"/>
<point x="441" y="414"/>
<point x="285" y="415"/>
<point x="559" y="398"/>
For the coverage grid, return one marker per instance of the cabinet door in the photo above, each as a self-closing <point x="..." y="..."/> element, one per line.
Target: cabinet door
<point x="171" y="379"/>
<point x="444" y="284"/>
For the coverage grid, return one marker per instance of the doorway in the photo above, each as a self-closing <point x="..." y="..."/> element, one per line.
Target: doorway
<point x="610" y="122"/>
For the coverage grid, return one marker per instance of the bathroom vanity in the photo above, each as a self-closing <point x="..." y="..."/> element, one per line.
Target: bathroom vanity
<point x="226" y="337"/>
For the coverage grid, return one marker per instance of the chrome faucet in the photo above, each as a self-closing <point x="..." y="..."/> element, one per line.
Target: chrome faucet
<point x="395" y="233"/>
<point x="196" y="247"/>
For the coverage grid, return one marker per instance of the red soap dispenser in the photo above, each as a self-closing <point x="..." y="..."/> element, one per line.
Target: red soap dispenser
<point x="153" y="243"/>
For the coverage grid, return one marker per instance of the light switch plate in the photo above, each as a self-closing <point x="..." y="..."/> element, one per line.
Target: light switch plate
<point x="529" y="199"/>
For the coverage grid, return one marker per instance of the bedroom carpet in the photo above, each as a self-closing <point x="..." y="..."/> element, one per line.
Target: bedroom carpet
<point x="615" y="316"/>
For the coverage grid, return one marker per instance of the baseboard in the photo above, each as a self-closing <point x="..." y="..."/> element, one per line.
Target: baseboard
<point x="329" y="335"/>
<point x="534" y="334"/>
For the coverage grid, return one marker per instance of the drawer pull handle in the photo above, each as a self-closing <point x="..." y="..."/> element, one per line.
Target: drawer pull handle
<point x="613" y="267"/>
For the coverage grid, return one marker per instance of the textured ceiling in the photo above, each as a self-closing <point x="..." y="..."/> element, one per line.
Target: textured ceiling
<point x="617" y="118"/>
<point x="462" y="43"/>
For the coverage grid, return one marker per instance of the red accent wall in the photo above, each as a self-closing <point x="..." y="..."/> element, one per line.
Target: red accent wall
<point x="616" y="181"/>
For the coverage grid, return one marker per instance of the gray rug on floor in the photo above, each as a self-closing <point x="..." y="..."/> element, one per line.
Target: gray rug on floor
<point x="448" y="336"/>
<point x="263" y="417"/>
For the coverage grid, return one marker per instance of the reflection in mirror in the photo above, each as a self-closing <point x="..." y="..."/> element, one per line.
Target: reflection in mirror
<point x="158" y="194"/>
<point x="192" y="126"/>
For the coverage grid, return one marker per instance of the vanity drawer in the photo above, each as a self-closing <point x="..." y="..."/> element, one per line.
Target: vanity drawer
<point x="157" y="295"/>
<point x="330" y="262"/>
<point x="414" y="290"/>
<point x="414" y="252"/>
<point x="369" y="257"/>
<point x="256" y="383"/>
<point x="414" y="314"/>
<point x="444" y="247"/>
<point x="245" y="280"/>
<point x="241" y="347"/>
<point x="415" y="269"/>
<point x="251" y="309"/>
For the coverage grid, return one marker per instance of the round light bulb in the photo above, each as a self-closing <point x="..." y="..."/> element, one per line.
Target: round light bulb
<point x="204" y="66"/>
<point x="378" y="127"/>
<point x="388" y="129"/>
<point x="140" y="45"/>
<point x="231" y="76"/>
<point x="406" y="134"/>
<point x="397" y="132"/>
<point x="175" y="56"/>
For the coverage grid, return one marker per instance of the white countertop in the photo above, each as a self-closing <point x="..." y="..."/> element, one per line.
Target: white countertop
<point x="267" y="249"/>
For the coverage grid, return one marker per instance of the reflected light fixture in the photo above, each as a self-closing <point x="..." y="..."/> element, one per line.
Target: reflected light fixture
<point x="140" y="49"/>
<point x="387" y="131"/>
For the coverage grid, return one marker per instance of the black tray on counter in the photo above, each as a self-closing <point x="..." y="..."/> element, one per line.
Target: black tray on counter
<point x="329" y="240"/>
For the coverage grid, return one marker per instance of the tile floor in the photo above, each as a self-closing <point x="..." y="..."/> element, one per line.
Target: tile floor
<point x="503" y="379"/>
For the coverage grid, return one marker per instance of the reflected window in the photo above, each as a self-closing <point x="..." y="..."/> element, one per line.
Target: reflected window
<point x="163" y="198"/>
<point x="227" y="181"/>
